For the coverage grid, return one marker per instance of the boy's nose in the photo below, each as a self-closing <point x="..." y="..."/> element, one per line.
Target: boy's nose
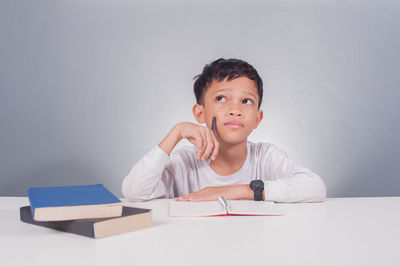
<point x="235" y="113"/>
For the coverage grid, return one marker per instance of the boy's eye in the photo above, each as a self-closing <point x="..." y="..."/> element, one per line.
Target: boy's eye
<point x="247" y="101"/>
<point x="221" y="99"/>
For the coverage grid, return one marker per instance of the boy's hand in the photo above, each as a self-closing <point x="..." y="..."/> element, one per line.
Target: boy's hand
<point x="234" y="192"/>
<point x="204" y="139"/>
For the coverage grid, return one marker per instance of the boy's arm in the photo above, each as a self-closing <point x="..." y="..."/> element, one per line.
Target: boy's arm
<point x="287" y="182"/>
<point x="170" y="141"/>
<point x="233" y="192"/>
<point x="299" y="187"/>
<point x="146" y="181"/>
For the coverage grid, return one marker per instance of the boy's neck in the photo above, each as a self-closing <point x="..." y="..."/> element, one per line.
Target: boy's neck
<point x="230" y="158"/>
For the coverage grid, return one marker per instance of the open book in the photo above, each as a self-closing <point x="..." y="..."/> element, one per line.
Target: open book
<point x="223" y="207"/>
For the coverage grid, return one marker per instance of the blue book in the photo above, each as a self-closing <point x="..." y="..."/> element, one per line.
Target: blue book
<point x="73" y="202"/>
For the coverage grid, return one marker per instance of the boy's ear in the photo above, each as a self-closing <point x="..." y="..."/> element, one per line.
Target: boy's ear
<point x="198" y="112"/>
<point x="259" y="117"/>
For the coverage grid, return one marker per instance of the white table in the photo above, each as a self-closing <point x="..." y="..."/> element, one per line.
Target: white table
<point x="339" y="231"/>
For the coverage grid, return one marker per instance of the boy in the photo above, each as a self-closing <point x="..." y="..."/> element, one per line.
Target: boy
<point x="231" y="91"/>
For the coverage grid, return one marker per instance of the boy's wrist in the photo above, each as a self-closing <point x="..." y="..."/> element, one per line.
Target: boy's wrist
<point x="246" y="193"/>
<point x="240" y="192"/>
<point x="170" y="141"/>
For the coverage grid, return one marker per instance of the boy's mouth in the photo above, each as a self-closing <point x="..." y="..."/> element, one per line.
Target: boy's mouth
<point x="234" y="124"/>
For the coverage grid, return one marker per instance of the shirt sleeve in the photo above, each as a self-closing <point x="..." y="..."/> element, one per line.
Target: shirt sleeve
<point x="148" y="178"/>
<point x="286" y="181"/>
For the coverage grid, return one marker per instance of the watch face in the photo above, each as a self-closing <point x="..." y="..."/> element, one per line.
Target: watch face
<point x="257" y="185"/>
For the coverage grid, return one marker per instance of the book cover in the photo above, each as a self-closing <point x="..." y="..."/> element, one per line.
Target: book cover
<point x="131" y="219"/>
<point x="73" y="202"/>
<point x="223" y="207"/>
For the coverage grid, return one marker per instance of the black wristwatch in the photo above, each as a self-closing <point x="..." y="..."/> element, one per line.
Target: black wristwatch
<point x="257" y="186"/>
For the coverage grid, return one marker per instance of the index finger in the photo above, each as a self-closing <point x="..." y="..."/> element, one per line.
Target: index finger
<point x="216" y="147"/>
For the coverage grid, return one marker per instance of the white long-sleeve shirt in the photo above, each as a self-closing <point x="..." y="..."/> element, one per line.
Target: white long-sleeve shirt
<point x="157" y="175"/>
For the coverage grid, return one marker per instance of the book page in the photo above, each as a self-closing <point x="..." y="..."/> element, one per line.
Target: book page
<point x="251" y="207"/>
<point x="195" y="209"/>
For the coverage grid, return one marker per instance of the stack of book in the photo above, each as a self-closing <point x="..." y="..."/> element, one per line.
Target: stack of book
<point x="90" y="210"/>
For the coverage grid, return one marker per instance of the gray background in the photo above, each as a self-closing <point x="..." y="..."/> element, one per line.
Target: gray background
<point x="88" y="87"/>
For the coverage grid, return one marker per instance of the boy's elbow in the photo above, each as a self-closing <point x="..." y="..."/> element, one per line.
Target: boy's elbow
<point x="129" y="191"/>
<point x="316" y="191"/>
<point x="134" y="191"/>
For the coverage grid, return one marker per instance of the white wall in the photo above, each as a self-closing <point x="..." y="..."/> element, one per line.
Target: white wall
<point x="88" y="87"/>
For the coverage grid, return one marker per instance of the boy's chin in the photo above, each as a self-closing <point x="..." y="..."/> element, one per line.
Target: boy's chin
<point x="233" y="140"/>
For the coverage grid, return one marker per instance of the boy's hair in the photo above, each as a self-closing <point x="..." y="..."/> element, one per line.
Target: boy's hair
<point x="222" y="68"/>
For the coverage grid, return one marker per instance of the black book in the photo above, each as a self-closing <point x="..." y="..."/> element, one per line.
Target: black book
<point x="132" y="219"/>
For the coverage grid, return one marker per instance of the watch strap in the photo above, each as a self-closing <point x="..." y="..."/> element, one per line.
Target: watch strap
<point x="258" y="195"/>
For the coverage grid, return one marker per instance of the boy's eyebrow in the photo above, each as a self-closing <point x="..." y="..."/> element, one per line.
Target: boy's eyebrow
<point x="230" y="89"/>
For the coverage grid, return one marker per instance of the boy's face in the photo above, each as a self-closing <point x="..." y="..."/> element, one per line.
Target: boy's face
<point x="234" y="103"/>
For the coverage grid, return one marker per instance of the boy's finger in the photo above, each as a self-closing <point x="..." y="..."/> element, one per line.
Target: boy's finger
<point x="181" y="199"/>
<point x="199" y="141"/>
<point x="204" y="142"/>
<point x="210" y="145"/>
<point x="216" y="147"/>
